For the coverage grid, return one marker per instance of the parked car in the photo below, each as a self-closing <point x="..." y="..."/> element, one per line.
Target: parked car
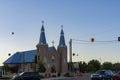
<point x="102" y="75"/>
<point x="27" y="76"/>
<point x="116" y="76"/>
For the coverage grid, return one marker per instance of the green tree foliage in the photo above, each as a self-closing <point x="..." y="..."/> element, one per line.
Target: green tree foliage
<point x="95" y="63"/>
<point x="116" y="66"/>
<point x="82" y="66"/>
<point x="70" y="66"/>
<point x="6" y="68"/>
<point x="91" y="68"/>
<point x="107" y="65"/>
<point x="41" y="67"/>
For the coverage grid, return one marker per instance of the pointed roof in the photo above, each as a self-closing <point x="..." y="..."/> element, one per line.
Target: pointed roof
<point x="42" y="40"/>
<point x="62" y="39"/>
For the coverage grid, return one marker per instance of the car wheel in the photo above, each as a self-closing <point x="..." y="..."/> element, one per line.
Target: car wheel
<point x="111" y="79"/>
<point x="37" y="79"/>
<point x="15" y="79"/>
<point x="20" y="79"/>
<point x="102" y="79"/>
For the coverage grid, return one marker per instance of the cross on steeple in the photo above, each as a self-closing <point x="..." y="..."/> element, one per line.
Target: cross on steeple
<point x="61" y="26"/>
<point x="62" y="39"/>
<point x="53" y="42"/>
<point x="42" y="40"/>
<point x="42" y="22"/>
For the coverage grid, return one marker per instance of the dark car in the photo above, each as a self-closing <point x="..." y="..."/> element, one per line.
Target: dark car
<point x="116" y="76"/>
<point x="27" y="76"/>
<point x="102" y="75"/>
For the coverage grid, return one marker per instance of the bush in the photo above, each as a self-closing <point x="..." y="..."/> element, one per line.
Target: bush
<point x="0" y="75"/>
<point x="58" y="74"/>
<point x="67" y="75"/>
<point x="41" y="76"/>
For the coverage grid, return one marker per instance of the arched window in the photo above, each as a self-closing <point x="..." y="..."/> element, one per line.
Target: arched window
<point x="53" y="59"/>
<point x="45" y="59"/>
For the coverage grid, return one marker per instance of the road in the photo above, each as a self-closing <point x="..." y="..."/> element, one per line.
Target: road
<point x="85" y="77"/>
<point x="69" y="78"/>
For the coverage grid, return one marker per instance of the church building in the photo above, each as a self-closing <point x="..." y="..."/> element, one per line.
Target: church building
<point x="54" y="60"/>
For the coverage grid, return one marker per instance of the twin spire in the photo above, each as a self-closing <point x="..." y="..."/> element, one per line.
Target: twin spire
<point x="42" y="40"/>
<point x="62" y="39"/>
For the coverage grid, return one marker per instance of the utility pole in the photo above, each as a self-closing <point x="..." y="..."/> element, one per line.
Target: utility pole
<point x="70" y="48"/>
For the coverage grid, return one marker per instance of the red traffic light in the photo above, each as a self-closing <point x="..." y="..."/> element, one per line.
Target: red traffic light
<point x="118" y="38"/>
<point x="73" y="54"/>
<point x="92" y="39"/>
<point x="9" y="54"/>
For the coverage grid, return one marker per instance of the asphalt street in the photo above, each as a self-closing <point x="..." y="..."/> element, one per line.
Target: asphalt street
<point x="70" y="78"/>
<point x="85" y="77"/>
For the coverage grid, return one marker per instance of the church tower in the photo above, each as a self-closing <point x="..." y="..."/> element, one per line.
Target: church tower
<point x="42" y="49"/>
<point x="62" y="50"/>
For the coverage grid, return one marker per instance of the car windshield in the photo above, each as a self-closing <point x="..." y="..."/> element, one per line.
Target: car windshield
<point x="29" y="74"/>
<point x="118" y="72"/>
<point x="21" y="73"/>
<point x="100" y="72"/>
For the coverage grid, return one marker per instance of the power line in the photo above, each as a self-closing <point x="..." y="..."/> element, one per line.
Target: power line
<point x="96" y="42"/>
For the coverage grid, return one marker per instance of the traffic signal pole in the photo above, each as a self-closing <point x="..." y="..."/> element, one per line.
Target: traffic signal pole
<point x="70" y="54"/>
<point x="70" y="48"/>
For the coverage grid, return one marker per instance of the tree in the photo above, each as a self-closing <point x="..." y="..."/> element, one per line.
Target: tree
<point x="41" y="67"/>
<point x="82" y="66"/>
<point x="91" y="68"/>
<point x="107" y="65"/>
<point x="70" y="66"/>
<point x="95" y="64"/>
<point x="116" y="66"/>
<point x="6" y="68"/>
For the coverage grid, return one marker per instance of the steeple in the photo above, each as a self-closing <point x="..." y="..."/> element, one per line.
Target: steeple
<point x="62" y="39"/>
<point x="42" y="40"/>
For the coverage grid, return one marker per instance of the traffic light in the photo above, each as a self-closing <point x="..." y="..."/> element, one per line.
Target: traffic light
<point x="73" y="54"/>
<point x="118" y="38"/>
<point x="12" y="33"/>
<point x="92" y="39"/>
<point x="9" y="54"/>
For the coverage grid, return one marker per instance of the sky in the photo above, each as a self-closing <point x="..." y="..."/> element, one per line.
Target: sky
<point x="81" y="20"/>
